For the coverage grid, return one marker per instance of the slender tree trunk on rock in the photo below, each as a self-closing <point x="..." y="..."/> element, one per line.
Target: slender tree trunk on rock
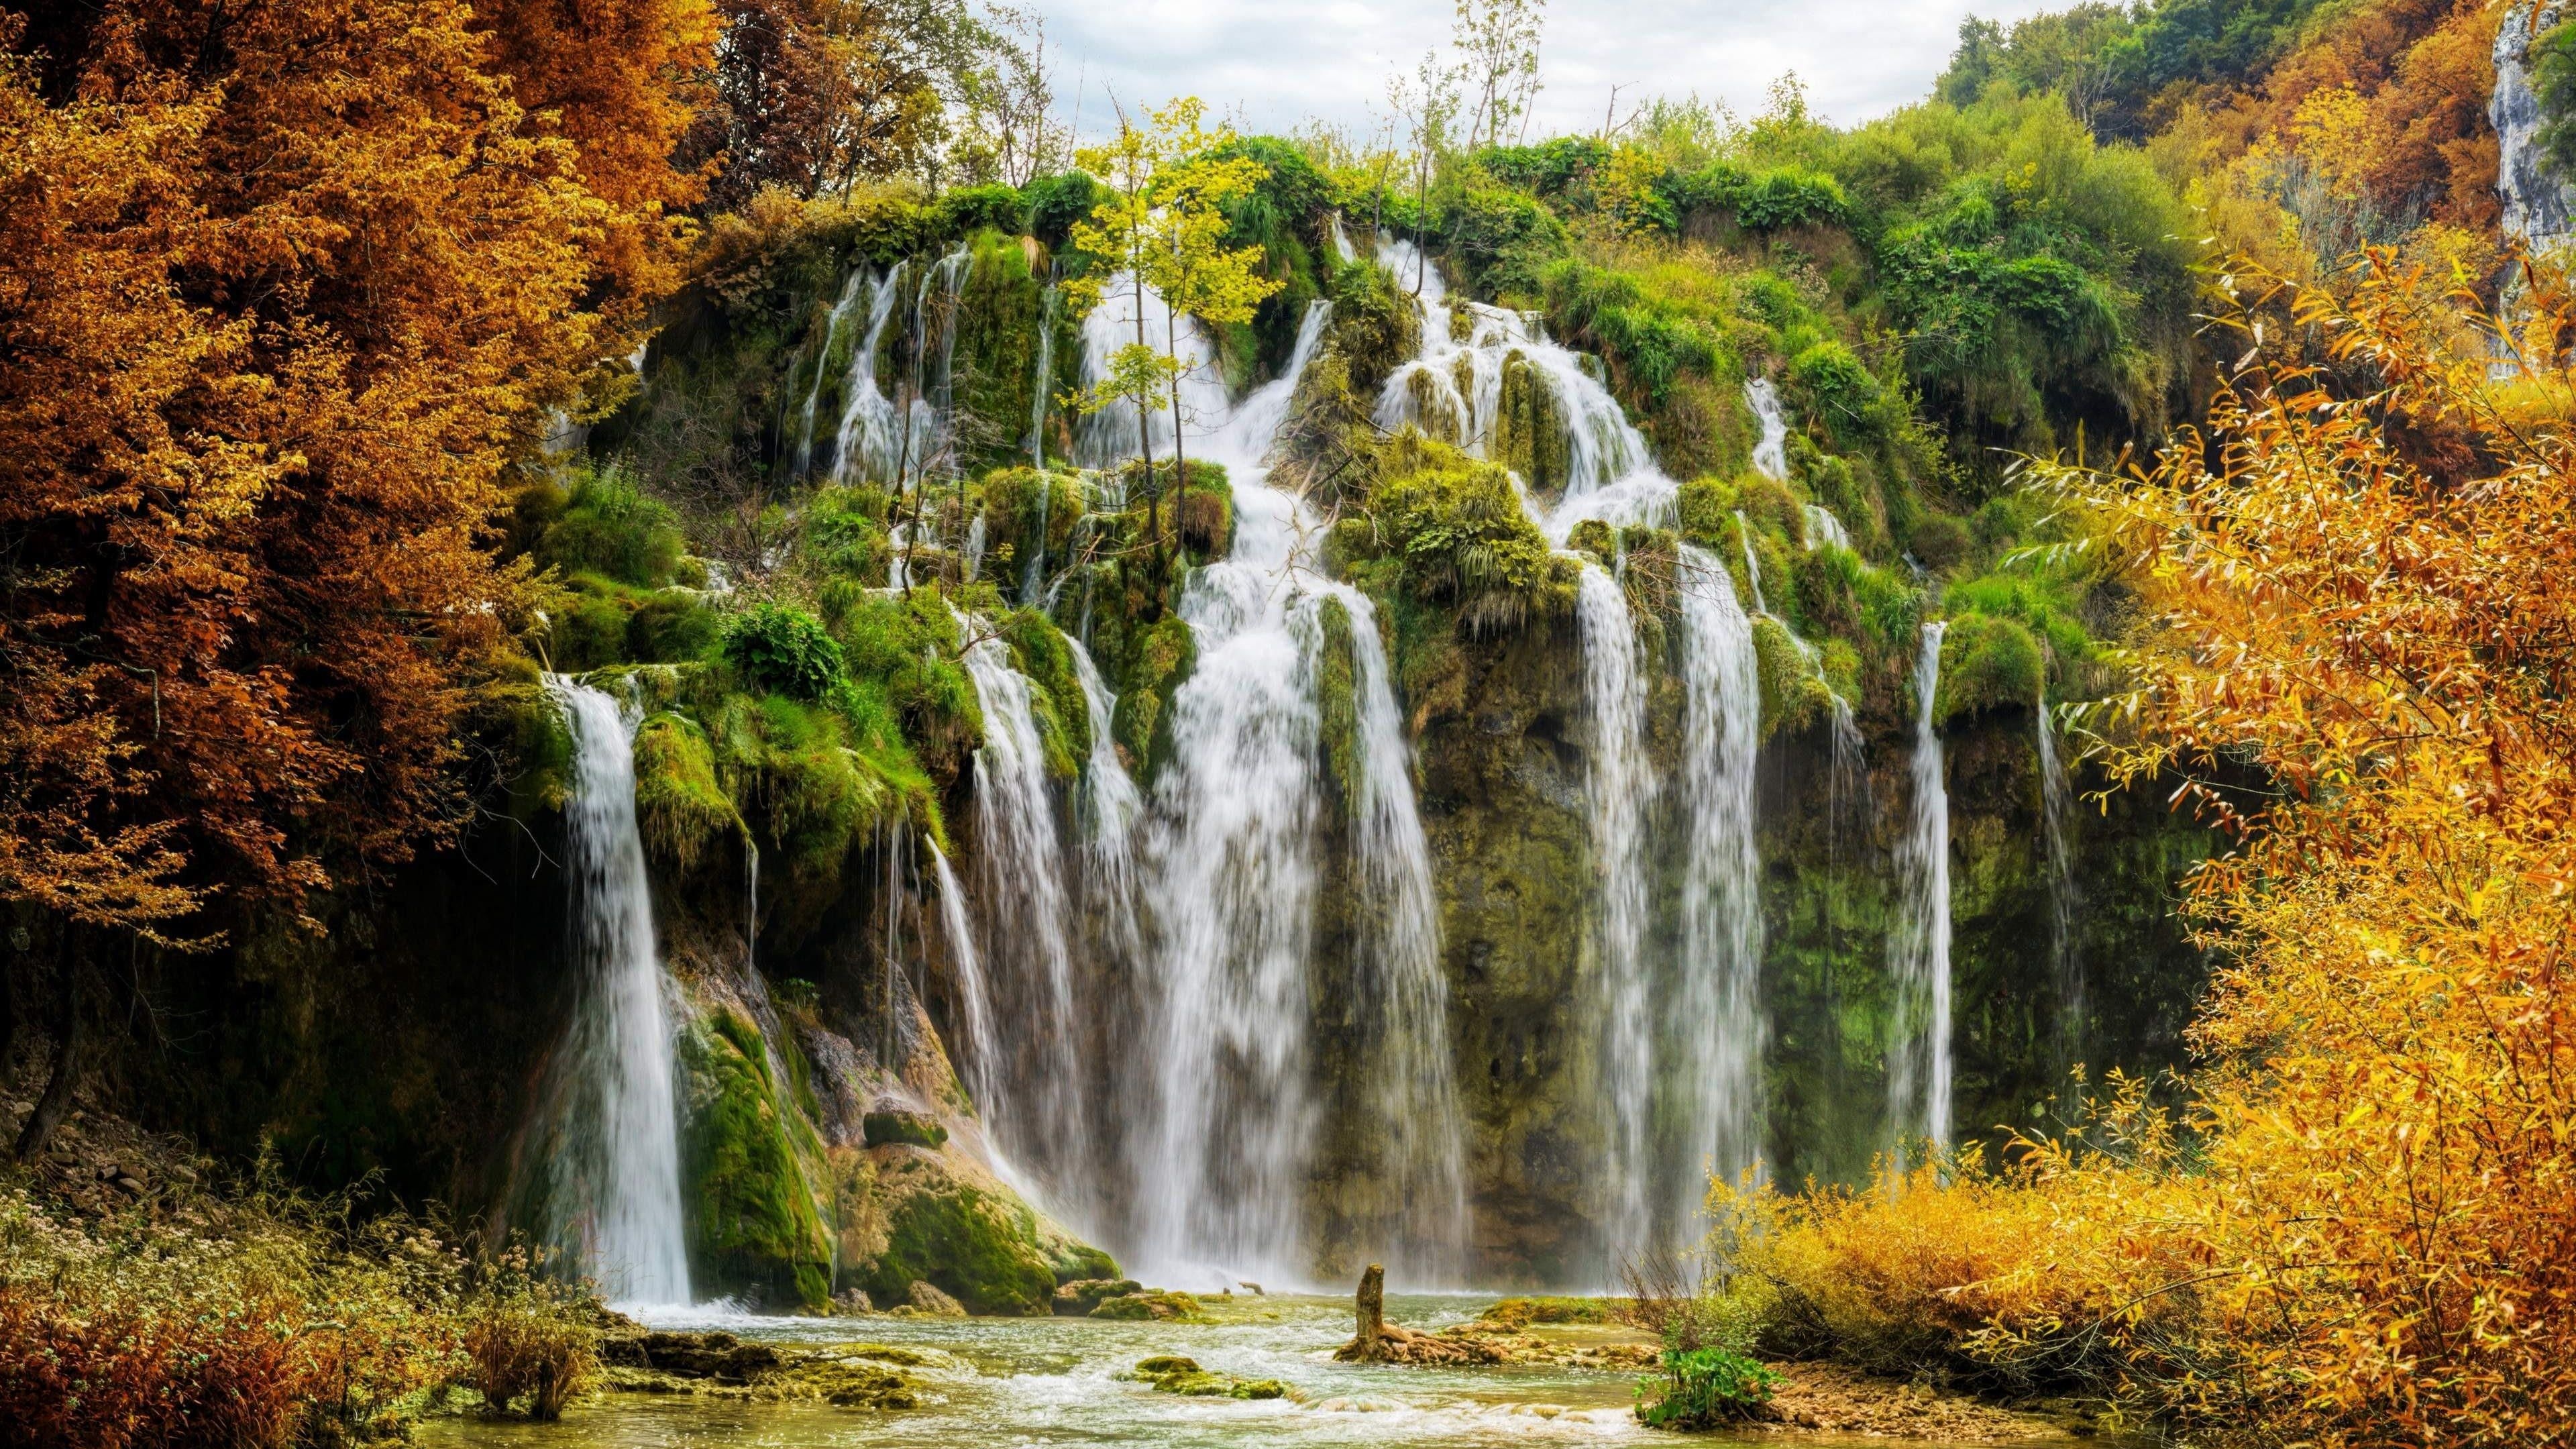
<point x="1372" y="1309"/>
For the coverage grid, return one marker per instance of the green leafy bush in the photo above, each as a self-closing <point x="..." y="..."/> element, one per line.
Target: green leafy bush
<point x="1705" y="1388"/>
<point x="784" y="650"/>
<point x="609" y="527"/>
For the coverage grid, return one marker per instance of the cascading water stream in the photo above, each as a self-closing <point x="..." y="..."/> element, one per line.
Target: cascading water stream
<point x="1824" y="528"/>
<point x="615" y="1173"/>
<point x="850" y="292"/>
<point x="1619" y="786"/>
<point x="1771" y="450"/>
<point x="1033" y="572"/>
<point x="1919" y="953"/>
<point x="873" y="436"/>
<point x="1752" y="563"/>
<point x="1718" y="1026"/>
<point x="975" y="994"/>
<point x="1231" y="849"/>
<point x="1042" y="1122"/>
<point x="2065" y="901"/>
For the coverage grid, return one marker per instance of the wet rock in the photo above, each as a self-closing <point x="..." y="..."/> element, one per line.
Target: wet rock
<point x="1077" y="1299"/>
<point x="925" y="1300"/>
<point x="918" y="1129"/>
<point x="1173" y="1374"/>
<point x="1161" y="1306"/>
<point x="852" y="1302"/>
<point x="718" y="1356"/>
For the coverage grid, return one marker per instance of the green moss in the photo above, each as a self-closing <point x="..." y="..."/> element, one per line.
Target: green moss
<point x="1079" y="1262"/>
<point x="1161" y="662"/>
<point x="1793" y="696"/>
<point x="611" y="528"/>
<point x="680" y="807"/>
<point x="539" y="745"/>
<point x="1443" y="528"/>
<point x="977" y="1245"/>
<point x="1337" y="706"/>
<point x="1029" y="512"/>
<point x="1168" y="1307"/>
<point x="1041" y="652"/>
<point x="1529" y="431"/>
<point x="1987" y="663"/>
<point x="675" y="626"/>
<point x="753" y="1219"/>
<point x="1374" y="325"/>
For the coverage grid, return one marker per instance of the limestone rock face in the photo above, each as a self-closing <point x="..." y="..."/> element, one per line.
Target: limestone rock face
<point x="2539" y="206"/>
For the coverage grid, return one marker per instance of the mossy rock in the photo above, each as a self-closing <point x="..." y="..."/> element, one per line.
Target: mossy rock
<point x="753" y="1222"/>
<point x="980" y="1244"/>
<point x="1987" y="663"/>
<point x="1529" y="429"/>
<point x="916" y="1128"/>
<point x="1161" y="663"/>
<point x="1156" y="1306"/>
<point x="1077" y="1299"/>
<point x="1173" y="1374"/>
<point x="681" y="809"/>
<point x="1075" y="1261"/>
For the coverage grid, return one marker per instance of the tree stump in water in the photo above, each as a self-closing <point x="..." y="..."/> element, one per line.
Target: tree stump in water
<point x="1379" y="1341"/>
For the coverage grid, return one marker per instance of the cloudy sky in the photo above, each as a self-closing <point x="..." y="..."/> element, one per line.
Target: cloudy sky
<point x="1273" y="63"/>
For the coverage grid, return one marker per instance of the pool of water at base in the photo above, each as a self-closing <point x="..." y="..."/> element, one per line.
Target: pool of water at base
<point x="1052" y="1381"/>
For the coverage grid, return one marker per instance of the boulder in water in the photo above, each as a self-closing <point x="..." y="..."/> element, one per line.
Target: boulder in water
<point x="1379" y="1341"/>
<point x="1173" y="1374"/>
<point x="1157" y="1305"/>
<point x="927" y="1301"/>
<point x="1077" y="1299"/>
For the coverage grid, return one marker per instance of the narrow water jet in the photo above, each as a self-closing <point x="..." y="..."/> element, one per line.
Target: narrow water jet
<point x="1919" y="952"/>
<point x="615" y="1174"/>
<point x="1752" y="563"/>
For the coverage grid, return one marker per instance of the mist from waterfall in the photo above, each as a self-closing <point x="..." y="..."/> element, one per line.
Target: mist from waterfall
<point x="1918" y="1102"/>
<point x="613" y="1174"/>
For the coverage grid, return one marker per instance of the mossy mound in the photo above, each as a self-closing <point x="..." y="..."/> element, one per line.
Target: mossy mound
<point x="1078" y="1298"/>
<point x="748" y="1161"/>
<point x="1987" y="663"/>
<point x="681" y="808"/>
<point x="975" y="1241"/>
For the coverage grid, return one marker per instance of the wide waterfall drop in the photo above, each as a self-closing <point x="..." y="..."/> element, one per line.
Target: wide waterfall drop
<point x="2065" y="901"/>
<point x="1022" y="863"/>
<point x="1718" y="1024"/>
<point x="874" y="436"/>
<point x="1232" y="856"/>
<point x="615" y="1197"/>
<point x="1619" y="786"/>
<point x="1918" y="1083"/>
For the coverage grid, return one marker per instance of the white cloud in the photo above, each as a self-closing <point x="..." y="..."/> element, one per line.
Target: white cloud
<point x="1273" y="65"/>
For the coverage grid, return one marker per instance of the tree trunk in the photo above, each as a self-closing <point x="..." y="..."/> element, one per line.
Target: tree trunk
<point x="1372" y="1311"/>
<point x="70" y="1043"/>
<point x="1180" y="454"/>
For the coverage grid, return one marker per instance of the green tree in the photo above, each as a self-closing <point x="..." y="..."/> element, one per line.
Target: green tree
<point x="1160" y="220"/>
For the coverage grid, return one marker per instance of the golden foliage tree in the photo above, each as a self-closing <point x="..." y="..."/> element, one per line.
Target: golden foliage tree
<point x="284" y="289"/>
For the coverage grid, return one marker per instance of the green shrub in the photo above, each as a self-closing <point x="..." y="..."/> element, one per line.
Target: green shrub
<point x="1705" y="1388"/>
<point x="783" y="649"/>
<point x="1987" y="663"/>
<point x="609" y="527"/>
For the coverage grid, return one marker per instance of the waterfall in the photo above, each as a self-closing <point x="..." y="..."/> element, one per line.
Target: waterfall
<point x="975" y="996"/>
<point x="1824" y="528"/>
<point x="751" y="906"/>
<point x="971" y="561"/>
<point x="873" y="438"/>
<point x="1752" y="564"/>
<point x="1342" y="247"/>
<point x="616" y="1174"/>
<point x="1620" y="783"/>
<point x="1110" y="807"/>
<point x="840" y="317"/>
<point x="1919" y="953"/>
<point x="2064" y="902"/>
<point x="1453" y="390"/>
<point x="1771" y="452"/>
<point x="1107" y="439"/>
<point x="1231" y="851"/>
<point x="1718" y="1016"/>
<point x="1025" y="896"/>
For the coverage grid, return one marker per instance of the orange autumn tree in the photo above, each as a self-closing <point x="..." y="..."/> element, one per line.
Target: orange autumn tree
<point x="285" y="289"/>
<point x="2364" y="580"/>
